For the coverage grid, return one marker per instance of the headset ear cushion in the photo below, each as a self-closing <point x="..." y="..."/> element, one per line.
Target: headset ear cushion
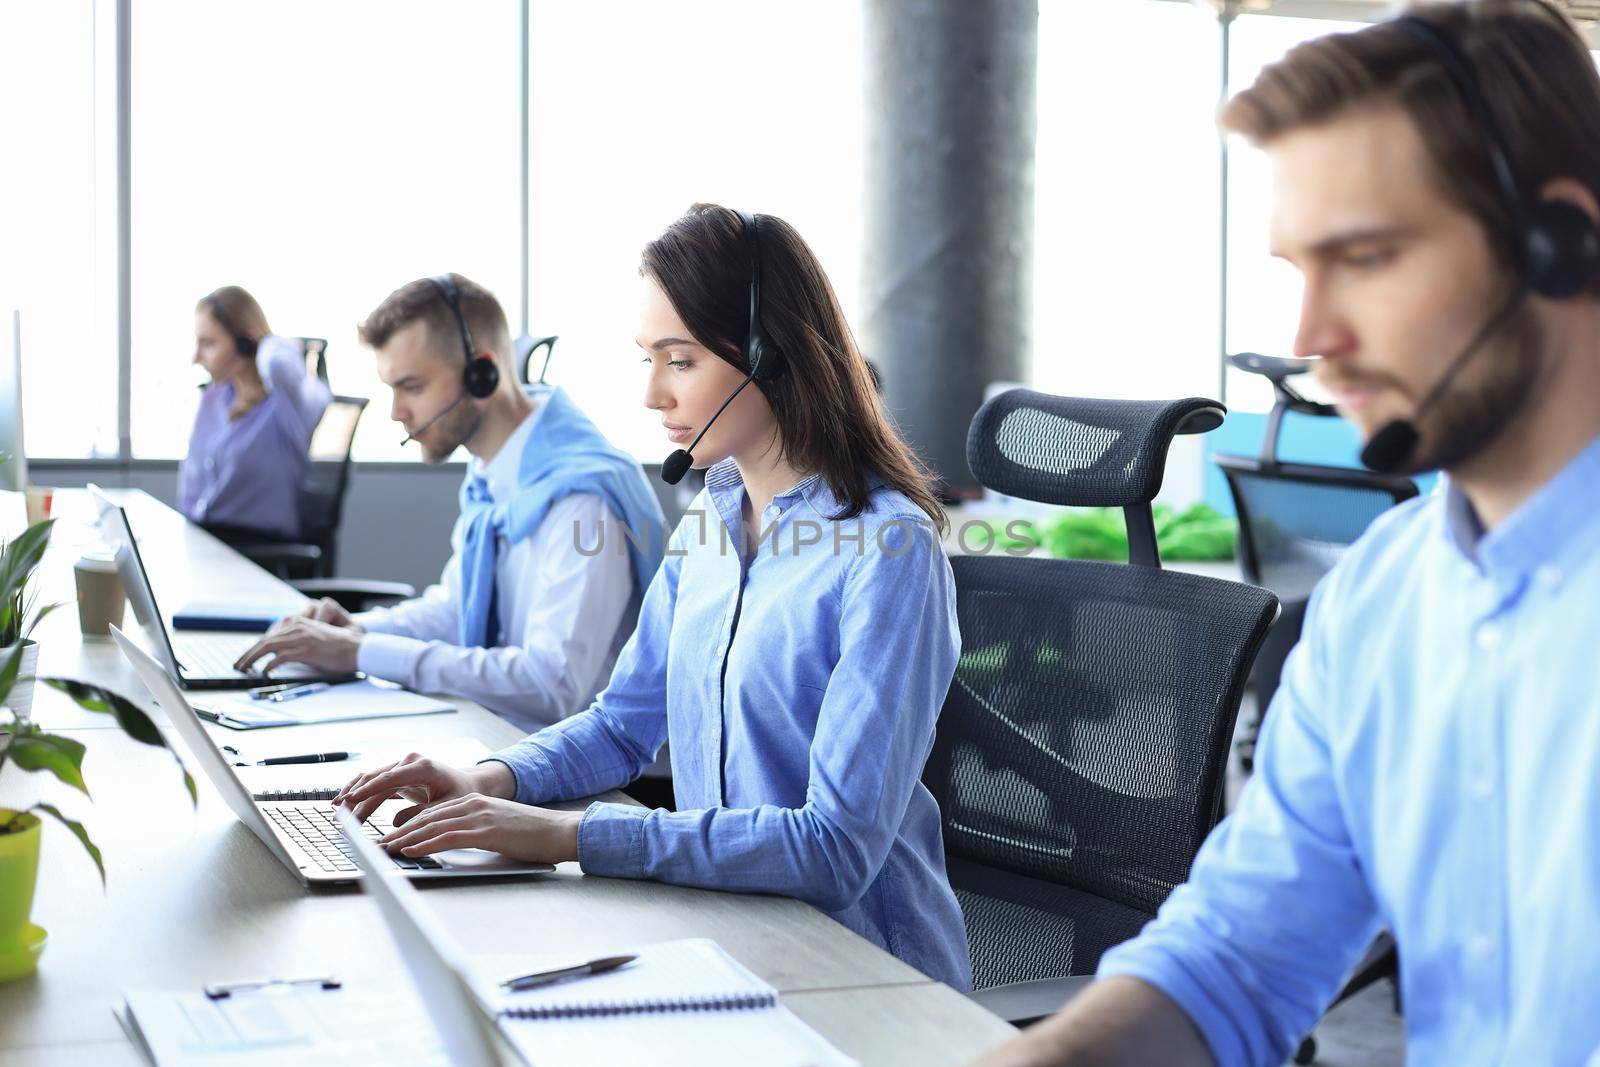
<point x="766" y="360"/>
<point x="1561" y="248"/>
<point x="481" y="377"/>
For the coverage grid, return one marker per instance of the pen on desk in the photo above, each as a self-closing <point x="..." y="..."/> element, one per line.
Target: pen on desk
<point x="298" y="691"/>
<point x="539" y="978"/>
<point x="310" y="757"/>
<point x="267" y="692"/>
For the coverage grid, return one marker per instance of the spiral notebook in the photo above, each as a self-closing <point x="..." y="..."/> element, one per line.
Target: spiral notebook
<point x="681" y="1002"/>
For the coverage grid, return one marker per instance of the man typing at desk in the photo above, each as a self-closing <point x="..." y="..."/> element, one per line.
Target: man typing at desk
<point x="528" y="617"/>
<point x="1429" y="762"/>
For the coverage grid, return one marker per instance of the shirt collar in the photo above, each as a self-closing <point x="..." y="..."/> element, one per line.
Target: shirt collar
<point x="723" y="478"/>
<point x="1539" y="532"/>
<point x="503" y="473"/>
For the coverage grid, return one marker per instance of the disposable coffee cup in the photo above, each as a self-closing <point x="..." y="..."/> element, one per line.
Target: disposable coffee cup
<point x="38" y="500"/>
<point x="100" y="593"/>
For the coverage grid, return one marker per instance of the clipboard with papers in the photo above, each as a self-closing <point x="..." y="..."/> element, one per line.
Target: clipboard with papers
<point x="345" y="702"/>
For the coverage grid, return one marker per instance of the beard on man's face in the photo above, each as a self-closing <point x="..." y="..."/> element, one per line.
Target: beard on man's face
<point x="453" y="431"/>
<point x="1473" y="411"/>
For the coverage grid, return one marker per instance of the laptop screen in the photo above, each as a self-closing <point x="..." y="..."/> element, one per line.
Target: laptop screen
<point x="115" y="530"/>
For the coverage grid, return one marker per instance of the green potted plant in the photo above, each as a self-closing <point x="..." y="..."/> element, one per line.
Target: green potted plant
<point x="20" y="611"/>
<point x="25" y="745"/>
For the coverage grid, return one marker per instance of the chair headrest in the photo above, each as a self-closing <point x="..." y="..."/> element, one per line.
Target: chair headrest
<point x="1080" y="451"/>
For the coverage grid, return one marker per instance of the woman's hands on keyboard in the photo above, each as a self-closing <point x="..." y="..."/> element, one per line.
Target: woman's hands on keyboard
<point x="424" y="781"/>
<point x="521" y="831"/>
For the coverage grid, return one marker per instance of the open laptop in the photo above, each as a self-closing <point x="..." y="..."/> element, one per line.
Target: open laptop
<point x="302" y="833"/>
<point x="198" y="659"/>
<point x="456" y="1003"/>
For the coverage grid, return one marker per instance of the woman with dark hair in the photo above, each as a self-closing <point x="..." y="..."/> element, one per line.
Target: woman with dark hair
<point x="248" y="449"/>
<point x="795" y="646"/>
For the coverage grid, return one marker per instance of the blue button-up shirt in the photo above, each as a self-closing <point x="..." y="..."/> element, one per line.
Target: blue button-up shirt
<point x="1430" y="765"/>
<point x="799" y="681"/>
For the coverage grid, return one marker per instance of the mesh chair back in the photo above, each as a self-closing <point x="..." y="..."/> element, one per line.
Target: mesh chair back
<point x="1077" y="450"/>
<point x="1296" y="520"/>
<point x="1081" y="749"/>
<point x="322" y="493"/>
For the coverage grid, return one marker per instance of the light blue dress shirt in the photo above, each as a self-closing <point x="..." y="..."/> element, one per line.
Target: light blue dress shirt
<point x="799" y="682"/>
<point x="1430" y="764"/>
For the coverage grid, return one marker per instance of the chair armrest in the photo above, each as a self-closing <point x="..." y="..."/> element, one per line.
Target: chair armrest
<point x="1022" y="1002"/>
<point x="356" y="594"/>
<point x="286" y="559"/>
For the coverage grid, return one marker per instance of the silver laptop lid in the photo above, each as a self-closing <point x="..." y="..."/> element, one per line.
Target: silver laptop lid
<point x="116" y="531"/>
<point x="443" y="979"/>
<point x="165" y="689"/>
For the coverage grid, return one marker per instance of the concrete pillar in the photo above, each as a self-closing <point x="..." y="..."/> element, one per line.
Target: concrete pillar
<point x="950" y="119"/>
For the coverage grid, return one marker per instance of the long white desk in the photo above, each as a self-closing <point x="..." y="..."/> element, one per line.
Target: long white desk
<point x="192" y="897"/>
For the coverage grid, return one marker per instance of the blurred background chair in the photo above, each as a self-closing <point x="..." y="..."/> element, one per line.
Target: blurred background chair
<point x="1295" y="521"/>
<point x="310" y="563"/>
<point x="1081" y="752"/>
<point x="527" y="350"/>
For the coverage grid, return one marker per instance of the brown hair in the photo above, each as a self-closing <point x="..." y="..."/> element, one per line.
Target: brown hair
<point x="421" y="299"/>
<point x="830" y="420"/>
<point x="240" y="317"/>
<point x="1533" y="68"/>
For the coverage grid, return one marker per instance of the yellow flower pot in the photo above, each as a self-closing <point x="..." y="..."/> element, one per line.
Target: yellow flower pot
<point x="21" y="942"/>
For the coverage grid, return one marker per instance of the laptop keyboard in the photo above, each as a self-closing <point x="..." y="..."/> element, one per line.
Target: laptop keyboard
<point x="211" y="656"/>
<point x="311" y="826"/>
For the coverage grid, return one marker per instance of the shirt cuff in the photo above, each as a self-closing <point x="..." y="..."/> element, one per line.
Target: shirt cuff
<point x="530" y="768"/>
<point x="389" y="656"/>
<point x="1160" y="969"/>
<point x="373" y="622"/>
<point x="611" y="840"/>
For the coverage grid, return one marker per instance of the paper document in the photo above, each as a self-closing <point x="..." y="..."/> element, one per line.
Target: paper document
<point x="338" y="703"/>
<point x="281" y="1024"/>
<point x="681" y="1002"/>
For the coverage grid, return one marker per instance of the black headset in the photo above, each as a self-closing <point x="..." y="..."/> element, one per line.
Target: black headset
<point x="245" y="345"/>
<point x="763" y="361"/>
<point x="481" y="375"/>
<point x="1556" y="243"/>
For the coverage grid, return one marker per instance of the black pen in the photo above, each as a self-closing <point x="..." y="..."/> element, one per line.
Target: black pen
<point x="311" y="757"/>
<point x="539" y="978"/>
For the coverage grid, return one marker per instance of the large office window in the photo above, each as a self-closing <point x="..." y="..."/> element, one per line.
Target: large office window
<point x="1263" y="292"/>
<point x="1126" y="238"/>
<point x="57" y="266"/>
<point x="319" y="155"/>
<point x="639" y="109"/>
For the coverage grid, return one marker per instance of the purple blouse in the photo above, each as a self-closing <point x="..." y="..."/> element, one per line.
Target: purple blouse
<point x="247" y="471"/>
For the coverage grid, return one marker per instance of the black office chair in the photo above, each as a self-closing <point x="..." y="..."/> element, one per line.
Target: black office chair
<point x="310" y="563"/>
<point x="1295" y="521"/>
<point x="315" y="350"/>
<point x="1081" y="751"/>
<point x="527" y="348"/>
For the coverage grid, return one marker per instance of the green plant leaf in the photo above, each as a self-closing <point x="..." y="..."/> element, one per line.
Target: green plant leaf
<point x="81" y="834"/>
<point x="19" y="558"/>
<point x="61" y="756"/>
<point x="135" y="723"/>
<point x="8" y="672"/>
